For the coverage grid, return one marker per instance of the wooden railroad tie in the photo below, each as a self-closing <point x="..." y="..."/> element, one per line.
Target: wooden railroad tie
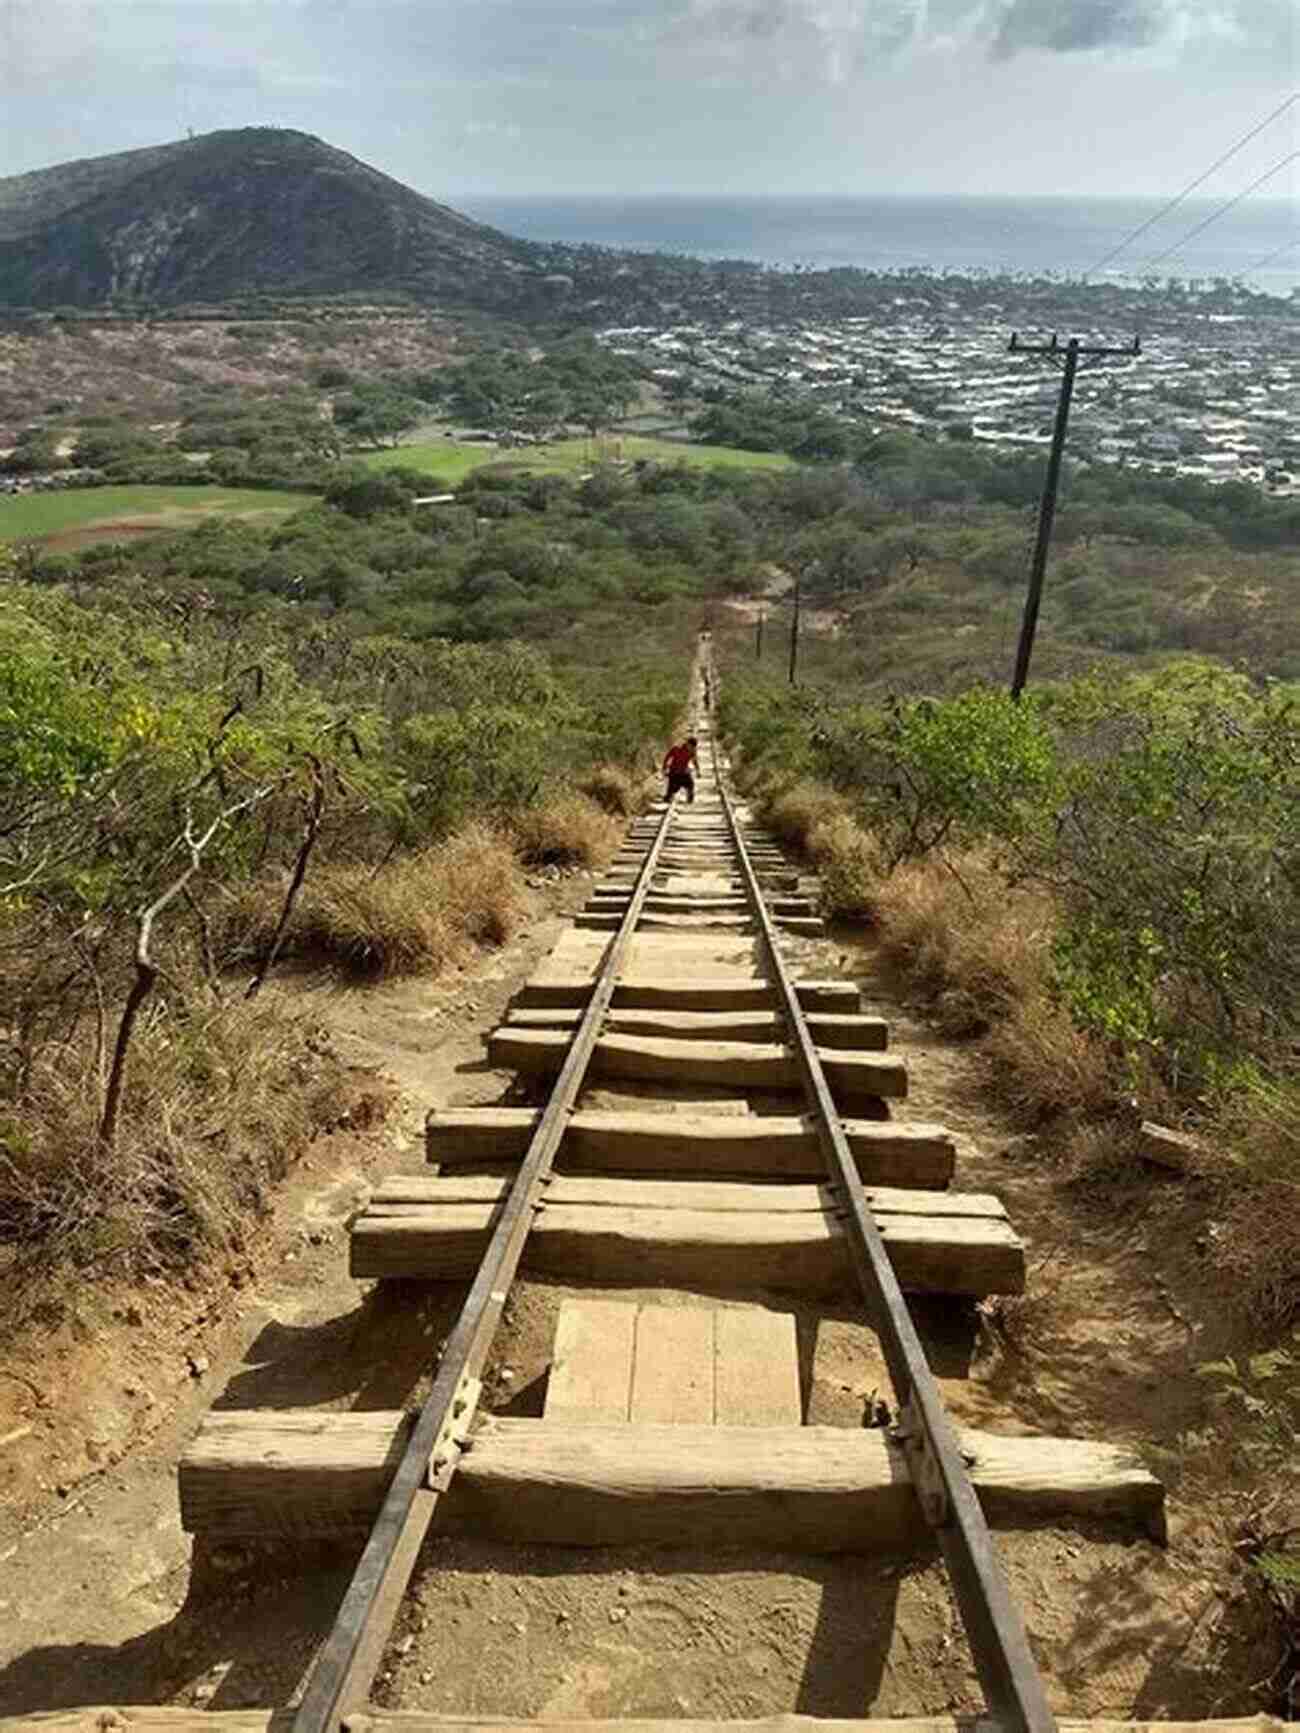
<point x="738" y="1064"/>
<point x="706" y="992"/>
<point x="155" y="1718"/>
<point x="852" y="1033"/>
<point x="663" y="1425"/>
<point x="902" y="1152"/>
<point x="708" y="1236"/>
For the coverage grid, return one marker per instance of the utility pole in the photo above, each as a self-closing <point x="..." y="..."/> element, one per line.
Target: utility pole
<point x="1052" y="481"/>
<point x="794" y="631"/>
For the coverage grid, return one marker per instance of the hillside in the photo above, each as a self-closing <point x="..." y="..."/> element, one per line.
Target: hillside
<point x="255" y="211"/>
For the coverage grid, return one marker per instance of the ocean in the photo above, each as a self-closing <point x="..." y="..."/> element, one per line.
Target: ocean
<point x="1259" y="241"/>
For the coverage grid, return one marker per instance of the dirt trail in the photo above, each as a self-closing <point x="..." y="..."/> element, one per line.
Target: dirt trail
<point x="100" y="1601"/>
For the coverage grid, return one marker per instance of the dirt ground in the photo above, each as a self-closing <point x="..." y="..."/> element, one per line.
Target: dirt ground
<point x="101" y="1600"/>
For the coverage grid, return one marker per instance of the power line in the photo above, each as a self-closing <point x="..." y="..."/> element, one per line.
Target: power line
<point x="1268" y="259"/>
<point x="1223" y="210"/>
<point x="1199" y="181"/>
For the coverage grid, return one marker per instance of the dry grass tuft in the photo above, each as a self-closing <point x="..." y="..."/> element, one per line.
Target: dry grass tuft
<point x="1042" y="1065"/>
<point x="974" y="951"/>
<point x="566" y="829"/>
<point x="850" y="867"/>
<point x="220" y="1102"/>
<point x="616" y="791"/>
<point x="1258" y="1244"/>
<point x="817" y="824"/>
<point x="794" y="812"/>
<point x="418" y="914"/>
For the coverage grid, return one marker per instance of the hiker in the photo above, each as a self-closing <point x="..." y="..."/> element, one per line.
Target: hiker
<point x="677" y="765"/>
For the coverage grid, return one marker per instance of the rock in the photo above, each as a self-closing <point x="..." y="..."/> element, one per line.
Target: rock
<point x="403" y="1645"/>
<point x="198" y="1364"/>
<point x="617" y="1615"/>
<point x="134" y="1316"/>
<point x="1166" y="1148"/>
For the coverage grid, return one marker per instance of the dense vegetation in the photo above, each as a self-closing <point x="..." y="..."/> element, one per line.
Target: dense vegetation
<point x="514" y="554"/>
<point x="193" y="786"/>
<point x="1099" y="889"/>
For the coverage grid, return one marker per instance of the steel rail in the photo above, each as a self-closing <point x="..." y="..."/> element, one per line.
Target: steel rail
<point x="344" y="1671"/>
<point x="1008" y="1673"/>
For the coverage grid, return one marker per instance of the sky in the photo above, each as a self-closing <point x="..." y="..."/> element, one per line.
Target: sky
<point x="460" y="98"/>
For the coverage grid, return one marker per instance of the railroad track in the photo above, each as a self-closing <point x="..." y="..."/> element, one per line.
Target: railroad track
<point x="676" y="1424"/>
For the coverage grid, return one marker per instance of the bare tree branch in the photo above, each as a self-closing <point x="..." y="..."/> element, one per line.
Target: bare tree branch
<point x="316" y="808"/>
<point x="146" y="970"/>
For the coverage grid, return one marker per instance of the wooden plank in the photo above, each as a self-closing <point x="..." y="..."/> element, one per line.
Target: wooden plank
<point x="672" y="1372"/>
<point x="850" y="1034"/>
<point x="808" y="1488"/>
<point x="658" y="956"/>
<point x="706" y="1251"/>
<point x="417" y="1721"/>
<point x="1176" y="1150"/>
<point x="591" y="1362"/>
<point x="745" y="1064"/>
<point x="889" y="1153"/>
<point x="607" y="901"/>
<point x="600" y="922"/>
<point x="151" y="1718"/>
<point x="756" y="1381"/>
<point x="728" y="1197"/>
<point x="714" y="993"/>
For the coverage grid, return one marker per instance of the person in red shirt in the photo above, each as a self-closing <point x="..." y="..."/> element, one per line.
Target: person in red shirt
<point x="677" y="766"/>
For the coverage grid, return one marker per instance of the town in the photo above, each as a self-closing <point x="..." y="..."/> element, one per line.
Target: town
<point x="1211" y="394"/>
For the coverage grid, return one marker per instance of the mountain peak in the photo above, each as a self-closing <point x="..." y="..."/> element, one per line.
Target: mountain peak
<point x="244" y="211"/>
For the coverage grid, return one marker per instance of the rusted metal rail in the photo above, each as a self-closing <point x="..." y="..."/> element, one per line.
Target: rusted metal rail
<point x="340" y="1681"/>
<point x="1008" y="1673"/>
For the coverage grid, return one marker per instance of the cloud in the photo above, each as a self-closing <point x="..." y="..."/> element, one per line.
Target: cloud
<point x="1077" y="26"/>
<point x="826" y="40"/>
<point x="837" y="37"/>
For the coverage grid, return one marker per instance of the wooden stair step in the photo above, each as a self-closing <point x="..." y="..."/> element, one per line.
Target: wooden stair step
<point x="703" y="993"/>
<point x="686" y="903"/>
<point x="156" y="1718"/>
<point x="784" y="1147"/>
<point x="599" y="922"/>
<point x="727" y="1196"/>
<point x="813" y="1489"/>
<point x="852" y="1034"/>
<point x="709" y="1249"/>
<point x="747" y="1064"/>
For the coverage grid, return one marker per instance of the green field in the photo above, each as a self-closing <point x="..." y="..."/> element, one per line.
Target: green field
<point x="81" y="514"/>
<point x="451" y="460"/>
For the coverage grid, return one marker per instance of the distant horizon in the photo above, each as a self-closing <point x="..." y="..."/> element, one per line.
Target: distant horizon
<point x="501" y="195"/>
<point x="1098" y="236"/>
